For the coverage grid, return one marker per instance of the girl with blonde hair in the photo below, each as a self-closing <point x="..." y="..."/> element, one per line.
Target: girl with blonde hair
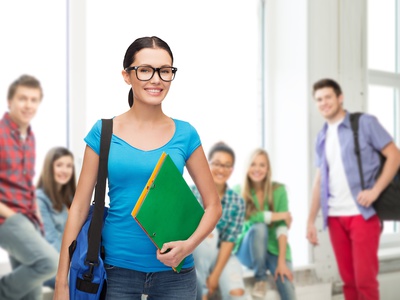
<point x="263" y="244"/>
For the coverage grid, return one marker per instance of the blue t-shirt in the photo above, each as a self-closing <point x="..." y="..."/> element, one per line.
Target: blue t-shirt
<point x="126" y="244"/>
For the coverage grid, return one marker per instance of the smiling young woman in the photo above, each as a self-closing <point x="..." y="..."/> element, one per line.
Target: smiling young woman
<point x="140" y="134"/>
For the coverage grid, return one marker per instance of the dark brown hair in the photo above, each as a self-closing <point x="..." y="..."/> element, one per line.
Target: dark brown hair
<point x="49" y="185"/>
<point x="327" y="82"/>
<point x="221" y="147"/>
<point x="24" y="80"/>
<point x="152" y="42"/>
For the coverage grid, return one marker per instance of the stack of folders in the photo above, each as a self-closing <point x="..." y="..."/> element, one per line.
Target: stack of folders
<point x="167" y="210"/>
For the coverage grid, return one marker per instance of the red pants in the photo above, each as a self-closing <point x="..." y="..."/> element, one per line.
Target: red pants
<point x="355" y="242"/>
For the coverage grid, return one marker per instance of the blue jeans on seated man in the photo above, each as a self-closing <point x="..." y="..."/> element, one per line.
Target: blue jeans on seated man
<point x="254" y="255"/>
<point x="126" y="284"/>
<point x="205" y="257"/>
<point x="32" y="258"/>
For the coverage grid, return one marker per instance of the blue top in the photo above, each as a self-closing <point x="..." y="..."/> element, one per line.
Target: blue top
<point x="372" y="139"/>
<point x="126" y="244"/>
<point x="53" y="220"/>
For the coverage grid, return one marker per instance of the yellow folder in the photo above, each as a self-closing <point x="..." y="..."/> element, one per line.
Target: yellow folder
<point x="167" y="210"/>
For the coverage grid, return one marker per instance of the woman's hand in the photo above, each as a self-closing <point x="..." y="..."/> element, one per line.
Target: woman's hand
<point x="212" y="283"/>
<point x="172" y="253"/>
<point x="288" y="219"/>
<point x="283" y="271"/>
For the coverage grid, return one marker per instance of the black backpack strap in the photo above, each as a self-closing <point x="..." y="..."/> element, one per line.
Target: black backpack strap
<point x="96" y="224"/>
<point x="354" y="121"/>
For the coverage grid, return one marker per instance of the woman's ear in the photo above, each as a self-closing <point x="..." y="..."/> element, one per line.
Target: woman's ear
<point x="126" y="77"/>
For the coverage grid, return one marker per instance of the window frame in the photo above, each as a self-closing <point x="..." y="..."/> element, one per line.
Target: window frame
<point x="390" y="242"/>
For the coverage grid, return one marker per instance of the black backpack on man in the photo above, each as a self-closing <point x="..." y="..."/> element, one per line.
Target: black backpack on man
<point x="387" y="206"/>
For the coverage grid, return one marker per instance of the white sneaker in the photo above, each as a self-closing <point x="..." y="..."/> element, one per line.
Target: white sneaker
<point x="260" y="289"/>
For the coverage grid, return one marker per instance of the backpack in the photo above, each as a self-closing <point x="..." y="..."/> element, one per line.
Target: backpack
<point x="387" y="205"/>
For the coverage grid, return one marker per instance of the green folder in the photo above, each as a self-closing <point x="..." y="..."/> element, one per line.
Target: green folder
<point x="167" y="210"/>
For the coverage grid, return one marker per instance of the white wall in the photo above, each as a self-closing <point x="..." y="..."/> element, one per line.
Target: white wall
<point x="33" y="42"/>
<point x="216" y="46"/>
<point x="336" y="49"/>
<point x="217" y="87"/>
<point x="287" y="111"/>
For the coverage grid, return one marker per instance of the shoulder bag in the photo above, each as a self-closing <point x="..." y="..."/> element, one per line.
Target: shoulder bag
<point x="87" y="278"/>
<point x="387" y="206"/>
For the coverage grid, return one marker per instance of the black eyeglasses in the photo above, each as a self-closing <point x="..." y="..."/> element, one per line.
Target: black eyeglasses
<point x="218" y="165"/>
<point x="145" y="73"/>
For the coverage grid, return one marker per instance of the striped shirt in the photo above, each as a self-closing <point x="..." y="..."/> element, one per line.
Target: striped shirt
<point x="17" y="168"/>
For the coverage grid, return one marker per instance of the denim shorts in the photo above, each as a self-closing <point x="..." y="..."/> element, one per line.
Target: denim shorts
<point x="126" y="284"/>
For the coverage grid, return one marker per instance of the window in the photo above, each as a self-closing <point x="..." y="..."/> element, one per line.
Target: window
<point x="384" y="71"/>
<point x="382" y="40"/>
<point x="216" y="87"/>
<point x="34" y="43"/>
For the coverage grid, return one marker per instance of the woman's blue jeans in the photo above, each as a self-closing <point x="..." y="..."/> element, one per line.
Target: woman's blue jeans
<point x="254" y="255"/>
<point x="125" y="284"/>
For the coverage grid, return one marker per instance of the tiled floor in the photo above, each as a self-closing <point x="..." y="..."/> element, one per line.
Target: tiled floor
<point x="304" y="291"/>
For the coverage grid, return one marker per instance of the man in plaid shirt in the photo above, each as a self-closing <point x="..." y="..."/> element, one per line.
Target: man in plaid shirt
<point x="32" y="258"/>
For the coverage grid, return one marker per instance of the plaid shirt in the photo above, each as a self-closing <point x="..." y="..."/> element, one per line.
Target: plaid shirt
<point x="233" y="211"/>
<point x="17" y="162"/>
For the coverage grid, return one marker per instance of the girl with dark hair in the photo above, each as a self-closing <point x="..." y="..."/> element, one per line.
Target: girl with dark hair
<point x="140" y="135"/>
<point x="216" y="267"/>
<point x="55" y="190"/>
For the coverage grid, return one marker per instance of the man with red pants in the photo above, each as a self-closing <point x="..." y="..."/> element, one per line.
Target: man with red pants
<point x="354" y="227"/>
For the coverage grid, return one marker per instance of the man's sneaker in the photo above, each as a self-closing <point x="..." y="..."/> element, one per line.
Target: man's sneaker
<point x="260" y="289"/>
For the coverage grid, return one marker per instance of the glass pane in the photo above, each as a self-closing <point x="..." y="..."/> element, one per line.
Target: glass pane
<point x="34" y="42"/>
<point x="382" y="35"/>
<point x="383" y="103"/>
<point x="204" y="56"/>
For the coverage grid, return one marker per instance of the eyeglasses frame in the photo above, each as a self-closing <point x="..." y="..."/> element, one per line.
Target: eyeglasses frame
<point x="221" y="166"/>
<point x="173" y="69"/>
